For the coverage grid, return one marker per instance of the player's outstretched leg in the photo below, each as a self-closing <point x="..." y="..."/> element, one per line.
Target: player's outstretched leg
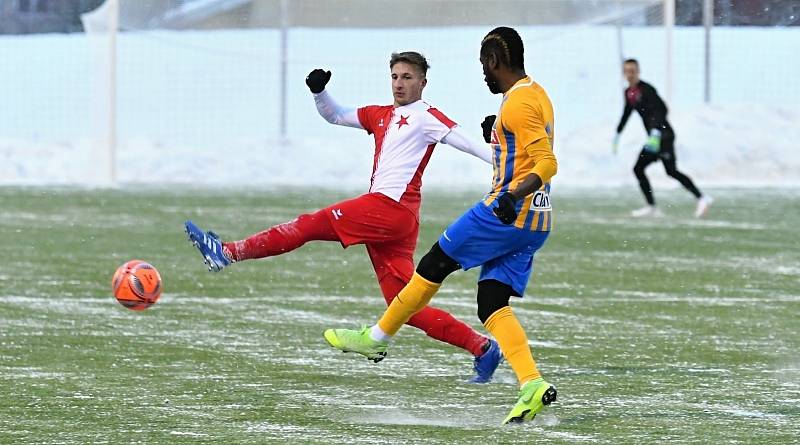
<point x="533" y="397"/>
<point x="209" y="246"/>
<point x="347" y="340"/>
<point x="435" y="322"/>
<point x="284" y="238"/>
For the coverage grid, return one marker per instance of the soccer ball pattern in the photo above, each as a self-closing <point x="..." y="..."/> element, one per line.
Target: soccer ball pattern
<point x="136" y="285"/>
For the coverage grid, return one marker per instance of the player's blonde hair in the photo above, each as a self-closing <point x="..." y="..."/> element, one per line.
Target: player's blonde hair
<point x="412" y="58"/>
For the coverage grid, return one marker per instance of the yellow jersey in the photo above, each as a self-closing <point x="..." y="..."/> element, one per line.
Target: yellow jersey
<point x="522" y="143"/>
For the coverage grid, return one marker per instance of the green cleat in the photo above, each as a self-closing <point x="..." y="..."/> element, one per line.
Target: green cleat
<point x="533" y="397"/>
<point x="348" y="340"/>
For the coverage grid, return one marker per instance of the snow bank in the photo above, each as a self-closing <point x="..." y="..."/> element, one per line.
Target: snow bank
<point x="738" y="145"/>
<point x="202" y="107"/>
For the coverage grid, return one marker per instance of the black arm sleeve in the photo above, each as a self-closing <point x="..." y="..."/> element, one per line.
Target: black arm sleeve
<point x="656" y="115"/>
<point x="625" y="115"/>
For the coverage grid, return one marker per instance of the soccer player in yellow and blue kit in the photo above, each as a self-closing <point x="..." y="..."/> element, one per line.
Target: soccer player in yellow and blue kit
<point x="501" y="233"/>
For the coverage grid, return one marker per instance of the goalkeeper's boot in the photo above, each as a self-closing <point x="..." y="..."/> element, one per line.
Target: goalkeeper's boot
<point x="648" y="211"/>
<point x="533" y="397"/>
<point x="487" y="363"/>
<point x="348" y="340"/>
<point x="209" y="246"/>
<point x="703" y="203"/>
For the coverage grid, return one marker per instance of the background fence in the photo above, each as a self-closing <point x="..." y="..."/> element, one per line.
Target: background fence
<point x="212" y="91"/>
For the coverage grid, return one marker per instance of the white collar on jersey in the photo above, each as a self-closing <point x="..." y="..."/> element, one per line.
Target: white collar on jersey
<point x="520" y="83"/>
<point x="411" y="104"/>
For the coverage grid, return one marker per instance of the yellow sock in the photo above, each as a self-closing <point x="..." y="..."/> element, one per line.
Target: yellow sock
<point x="415" y="296"/>
<point x="505" y="328"/>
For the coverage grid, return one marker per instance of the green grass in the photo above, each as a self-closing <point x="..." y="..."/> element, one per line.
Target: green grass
<point x="673" y="330"/>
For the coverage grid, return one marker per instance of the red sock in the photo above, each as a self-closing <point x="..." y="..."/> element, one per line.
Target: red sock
<point x="283" y="237"/>
<point x="436" y="322"/>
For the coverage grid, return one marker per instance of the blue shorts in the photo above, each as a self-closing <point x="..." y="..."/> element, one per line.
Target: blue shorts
<point x="478" y="238"/>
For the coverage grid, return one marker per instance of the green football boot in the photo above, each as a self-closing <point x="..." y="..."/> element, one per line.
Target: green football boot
<point x="348" y="340"/>
<point x="533" y="397"/>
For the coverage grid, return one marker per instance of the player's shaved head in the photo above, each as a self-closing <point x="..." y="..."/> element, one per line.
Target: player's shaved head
<point x="412" y="58"/>
<point x="506" y="44"/>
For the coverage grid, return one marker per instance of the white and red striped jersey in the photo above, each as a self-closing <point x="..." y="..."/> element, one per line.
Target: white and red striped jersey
<point x="404" y="140"/>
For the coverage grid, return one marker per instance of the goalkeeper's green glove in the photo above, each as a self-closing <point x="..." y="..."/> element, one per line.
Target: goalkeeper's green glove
<point x="653" y="144"/>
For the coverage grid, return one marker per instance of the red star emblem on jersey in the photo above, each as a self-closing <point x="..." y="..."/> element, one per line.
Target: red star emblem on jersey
<point x="403" y="121"/>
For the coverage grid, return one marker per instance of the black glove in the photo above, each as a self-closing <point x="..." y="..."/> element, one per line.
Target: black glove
<point x="506" y="209"/>
<point x="488" y="125"/>
<point x="317" y="79"/>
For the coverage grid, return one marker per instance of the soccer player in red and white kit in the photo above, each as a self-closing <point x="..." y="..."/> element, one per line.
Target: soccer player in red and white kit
<point x="386" y="219"/>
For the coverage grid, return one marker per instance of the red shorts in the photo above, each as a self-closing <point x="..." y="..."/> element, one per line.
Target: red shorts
<point x="386" y="227"/>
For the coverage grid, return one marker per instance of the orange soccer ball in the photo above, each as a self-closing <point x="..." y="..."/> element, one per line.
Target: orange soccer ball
<point x="136" y="285"/>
